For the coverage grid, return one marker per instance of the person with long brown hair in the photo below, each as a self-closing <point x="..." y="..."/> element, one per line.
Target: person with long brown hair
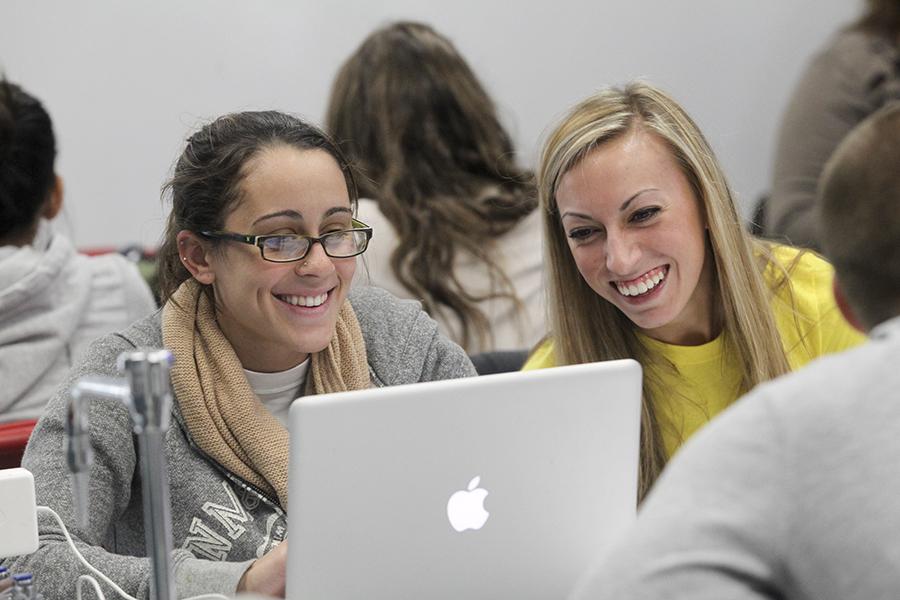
<point x="854" y="75"/>
<point x="647" y="259"/>
<point x="454" y="217"/>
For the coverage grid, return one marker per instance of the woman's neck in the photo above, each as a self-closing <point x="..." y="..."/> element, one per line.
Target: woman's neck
<point x="702" y="319"/>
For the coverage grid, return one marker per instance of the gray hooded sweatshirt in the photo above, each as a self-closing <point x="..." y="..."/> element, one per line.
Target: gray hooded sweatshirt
<point x="53" y="303"/>
<point x="220" y="523"/>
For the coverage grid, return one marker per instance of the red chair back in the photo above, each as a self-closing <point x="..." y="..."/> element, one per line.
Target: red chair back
<point x="13" y="438"/>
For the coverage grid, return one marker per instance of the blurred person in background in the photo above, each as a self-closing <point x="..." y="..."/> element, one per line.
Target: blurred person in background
<point x="856" y="73"/>
<point x="53" y="300"/>
<point x="454" y="217"/>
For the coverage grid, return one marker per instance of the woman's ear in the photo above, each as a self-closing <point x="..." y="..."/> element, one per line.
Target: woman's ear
<point x="195" y="256"/>
<point x="54" y="202"/>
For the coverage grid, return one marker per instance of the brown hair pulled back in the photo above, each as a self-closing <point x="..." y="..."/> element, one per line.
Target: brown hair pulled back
<point x="205" y="186"/>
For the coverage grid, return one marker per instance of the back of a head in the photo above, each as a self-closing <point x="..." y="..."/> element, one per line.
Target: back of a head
<point x="859" y="215"/>
<point x="407" y="100"/>
<point x="413" y="118"/>
<point x="27" y="154"/>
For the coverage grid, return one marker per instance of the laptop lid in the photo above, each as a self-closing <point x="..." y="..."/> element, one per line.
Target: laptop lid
<point x="505" y="485"/>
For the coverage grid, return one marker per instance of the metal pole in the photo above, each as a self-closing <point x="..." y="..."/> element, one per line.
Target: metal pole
<point x="148" y="395"/>
<point x="151" y="406"/>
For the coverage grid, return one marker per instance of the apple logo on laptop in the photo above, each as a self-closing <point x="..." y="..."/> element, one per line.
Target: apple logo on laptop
<point x="465" y="509"/>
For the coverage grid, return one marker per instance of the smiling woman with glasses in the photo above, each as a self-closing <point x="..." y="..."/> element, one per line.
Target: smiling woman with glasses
<point x="254" y="319"/>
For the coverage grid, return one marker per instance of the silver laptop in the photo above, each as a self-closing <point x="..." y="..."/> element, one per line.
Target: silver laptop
<point x="500" y="486"/>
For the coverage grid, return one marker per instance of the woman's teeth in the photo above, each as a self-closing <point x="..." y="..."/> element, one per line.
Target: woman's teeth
<point x="643" y="286"/>
<point x="308" y="301"/>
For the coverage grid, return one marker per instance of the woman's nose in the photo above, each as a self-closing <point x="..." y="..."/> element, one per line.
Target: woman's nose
<point x="315" y="262"/>
<point x="622" y="253"/>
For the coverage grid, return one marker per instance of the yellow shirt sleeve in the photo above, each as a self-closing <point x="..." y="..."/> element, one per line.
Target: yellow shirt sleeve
<point x="543" y="357"/>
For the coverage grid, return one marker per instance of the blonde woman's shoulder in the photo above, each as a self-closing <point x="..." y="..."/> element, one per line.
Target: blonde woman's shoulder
<point x="806" y="312"/>
<point x="801" y="261"/>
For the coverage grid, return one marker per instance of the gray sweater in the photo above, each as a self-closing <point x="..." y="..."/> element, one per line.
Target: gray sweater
<point x="220" y="523"/>
<point x="791" y="494"/>
<point x="53" y="303"/>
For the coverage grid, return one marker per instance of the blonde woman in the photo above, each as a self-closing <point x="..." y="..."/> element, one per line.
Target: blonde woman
<point x="647" y="259"/>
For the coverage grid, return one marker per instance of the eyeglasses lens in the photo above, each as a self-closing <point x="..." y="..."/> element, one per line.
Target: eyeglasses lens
<point x="283" y="248"/>
<point x="344" y="243"/>
<point x="339" y="244"/>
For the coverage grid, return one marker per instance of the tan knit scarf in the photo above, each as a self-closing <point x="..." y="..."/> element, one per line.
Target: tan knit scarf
<point x="225" y="418"/>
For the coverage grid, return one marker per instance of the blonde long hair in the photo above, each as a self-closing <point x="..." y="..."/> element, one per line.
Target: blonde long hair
<point x="586" y="328"/>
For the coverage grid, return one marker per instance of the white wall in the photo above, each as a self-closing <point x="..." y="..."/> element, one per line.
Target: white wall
<point x="125" y="82"/>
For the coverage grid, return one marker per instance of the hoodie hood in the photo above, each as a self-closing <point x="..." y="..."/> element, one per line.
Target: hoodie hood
<point x="42" y="302"/>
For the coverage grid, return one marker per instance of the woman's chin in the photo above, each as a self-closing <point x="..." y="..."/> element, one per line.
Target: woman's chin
<point x="310" y="342"/>
<point x="651" y="325"/>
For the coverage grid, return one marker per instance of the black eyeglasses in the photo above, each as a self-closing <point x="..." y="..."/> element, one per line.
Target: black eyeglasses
<point x="290" y="247"/>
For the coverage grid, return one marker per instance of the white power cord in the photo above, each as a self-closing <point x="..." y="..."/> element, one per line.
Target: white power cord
<point x="49" y="511"/>
<point x="83" y="578"/>
<point x="93" y="582"/>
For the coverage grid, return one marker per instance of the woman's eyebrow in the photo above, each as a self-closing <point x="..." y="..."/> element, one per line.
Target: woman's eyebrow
<point x="625" y="204"/>
<point x="622" y="208"/>
<point x="337" y="209"/>
<point x="281" y="213"/>
<point x="297" y="215"/>
<point x="577" y="215"/>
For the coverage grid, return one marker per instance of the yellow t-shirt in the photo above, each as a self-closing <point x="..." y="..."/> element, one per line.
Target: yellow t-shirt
<point x="810" y="327"/>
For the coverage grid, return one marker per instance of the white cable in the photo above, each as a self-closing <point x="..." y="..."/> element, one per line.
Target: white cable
<point x="101" y="596"/>
<point x="93" y="582"/>
<point x="49" y="511"/>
